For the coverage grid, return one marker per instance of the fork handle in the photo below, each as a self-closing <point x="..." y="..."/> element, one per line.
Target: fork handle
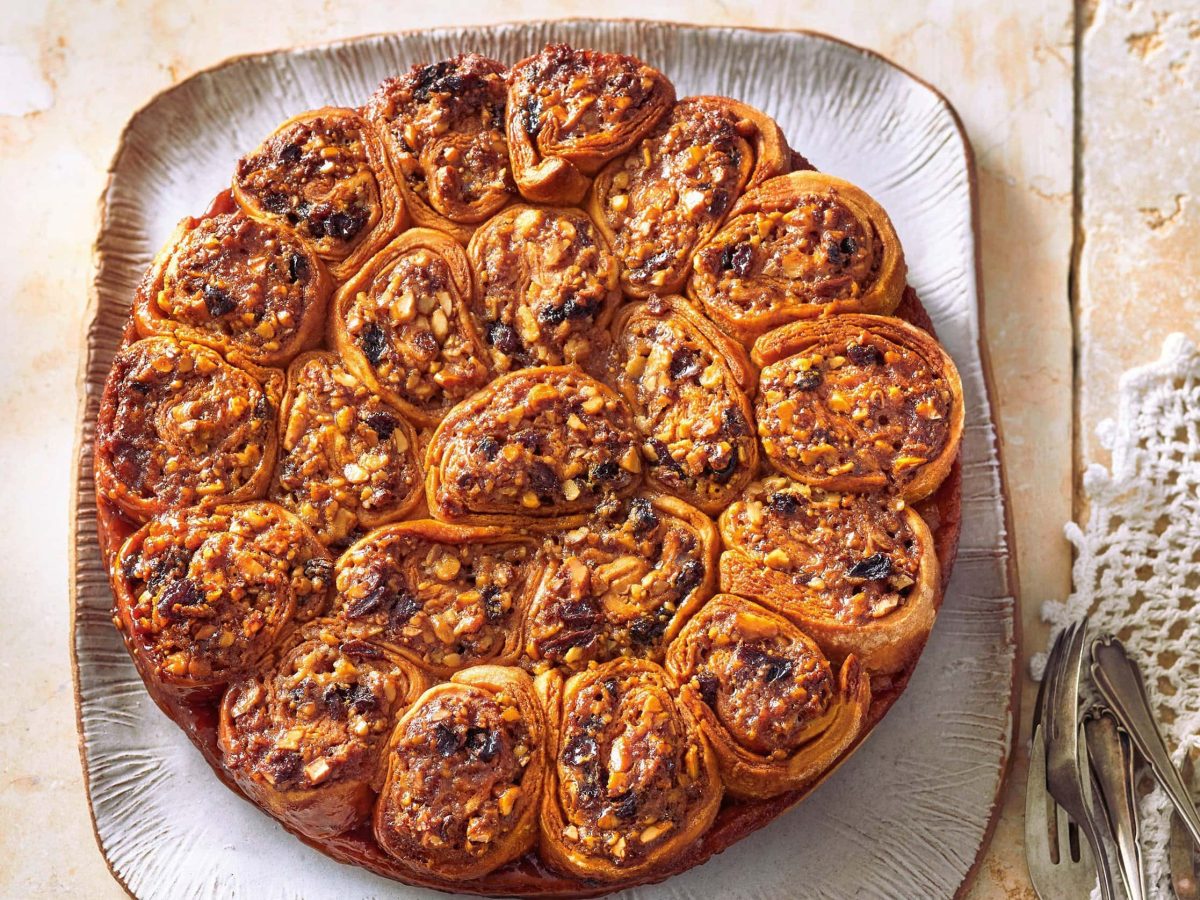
<point x="1112" y="764"/>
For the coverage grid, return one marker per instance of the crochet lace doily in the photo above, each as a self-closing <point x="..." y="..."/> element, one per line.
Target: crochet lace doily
<point x="1137" y="564"/>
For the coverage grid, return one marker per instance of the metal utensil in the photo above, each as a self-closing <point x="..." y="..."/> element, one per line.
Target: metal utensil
<point x="1120" y="681"/>
<point x="1059" y="866"/>
<point x="1068" y="772"/>
<point x="1181" y="852"/>
<point x="1111" y="754"/>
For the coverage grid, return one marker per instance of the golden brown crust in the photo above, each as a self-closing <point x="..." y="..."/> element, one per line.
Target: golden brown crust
<point x="446" y="596"/>
<point x="178" y="424"/>
<point x="774" y="710"/>
<point x="348" y="460"/>
<point x="798" y="246"/>
<point x="857" y="572"/>
<point x="443" y="125"/>
<point x="404" y="326"/>
<point x="538" y="446"/>
<point x="326" y="174"/>
<point x="465" y="775"/>
<point x="632" y="781"/>
<point x="687" y="385"/>
<point x="203" y="595"/>
<point x="233" y="283"/>
<point x="305" y="736"/>
<point x="859" y="403"/>
<point x="622" y="584"/>
<point x="546" y="286"/>
<point x="571" y="111"/>
<point x="670" y="194"/>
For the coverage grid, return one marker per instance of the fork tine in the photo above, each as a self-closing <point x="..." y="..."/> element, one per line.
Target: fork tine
<point x="1038" y="808"/>
<point x="1047" y="673"/>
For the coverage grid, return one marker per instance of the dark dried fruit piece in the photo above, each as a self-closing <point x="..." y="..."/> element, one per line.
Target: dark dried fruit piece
<point x="737" y="259"/>
<point x="445" y="739"/>
<point x="580" y="750"/>
<point x="874" y="568"/>
<point x="318" y="568"/>
<point x="177" y="594"/>
<point x="374" y="343"/>
<point x="493" y="608"/>
<point x="641" y="514"/>
<point x="218" y="302"/>
<point x="685" y="363"/>
<point x="809" y="380"/>
<point x="707" y="684"/>
<point x="503" y="338"/>
<point x="483" y="743"/>
<point x="864" y="355"/>
<point x="382" y="424"/>
<point x="783" y="504"/>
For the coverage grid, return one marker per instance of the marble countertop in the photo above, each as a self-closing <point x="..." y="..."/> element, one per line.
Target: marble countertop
<point x="1084" y="134"/>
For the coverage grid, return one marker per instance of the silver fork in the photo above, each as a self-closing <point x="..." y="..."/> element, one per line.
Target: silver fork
<point x="1060" y="864"/>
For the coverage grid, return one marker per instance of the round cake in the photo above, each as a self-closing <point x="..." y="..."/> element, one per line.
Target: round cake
<point x="530" y="482"/>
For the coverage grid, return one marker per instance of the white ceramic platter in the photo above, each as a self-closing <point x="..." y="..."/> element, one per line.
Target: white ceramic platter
<point x="907" y="815"/>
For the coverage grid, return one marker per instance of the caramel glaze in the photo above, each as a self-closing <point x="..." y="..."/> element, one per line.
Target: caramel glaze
<point x="528" y="876"/>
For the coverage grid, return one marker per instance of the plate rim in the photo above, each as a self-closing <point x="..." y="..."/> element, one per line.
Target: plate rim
<point x="91" y="311"/>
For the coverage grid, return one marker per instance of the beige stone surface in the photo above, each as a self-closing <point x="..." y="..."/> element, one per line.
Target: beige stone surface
<point x="72" y="73"/>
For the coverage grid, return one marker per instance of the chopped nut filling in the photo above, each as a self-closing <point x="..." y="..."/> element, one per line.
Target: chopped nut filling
<point x="545" y="287"/>
<point x="211" y="590"/>
<point x="536" y="443"/>
<point x="856" y="404"/>
<point x="617" y="586"/>
<point x="314" y="173"/>
<point x="178" y="425"/>
<point x="445" y="129"/>
<point x="447" y="603"/>
<point x="852" y="555"/>
<point x="348" y="459"/>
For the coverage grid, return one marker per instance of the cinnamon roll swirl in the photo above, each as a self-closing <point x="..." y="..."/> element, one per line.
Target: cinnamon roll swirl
<point x="571" y="111"/>
<point x="325" y="173"/>
<point x="203" y="594"/>
<point x="798" y="246"/>
<point x="348" y="460"/>
<point x="444" y="128"/>
<point x="633" y="781"/>
<point x="857" y="572"/>
<point x="546" y="286"/>
<point x="859" y="403"/>
<point x="775" y="711"/>
<point x="622" y="584"/>
<point x="304" y="737"/>
<point x="446" y="596"/>
<point x="465" y="775"/>
<point x="671" y="193"/>
<point x="687" y="385"/>
<point x="540" y="445"/>
<point x="179" y="424"/>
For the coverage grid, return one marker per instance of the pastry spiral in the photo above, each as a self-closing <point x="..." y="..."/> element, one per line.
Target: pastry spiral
<point x="686" y="383"/>
<point x="668" y="195"/>
<point x="446" y="596"/>
<point x="633" y="780"/>
<point x="326" y="174"/>
<point x="775" y="711"/>
<point x="178" y="424"/>
<point x="234" y="283"/>
<point x="857" y="572"/>
<point x="348" y="460"/>
<point x="305" y="736"/>
<point x="542" y="444"/>
<point x="403" y="324"/>
<point x="859" y="403"/>
<point x="546" y="286"/>
<point x="444" y="128"/>
<point x="203" y="594"/>
<point x="465" y="775"/>
<point x="798" y="246"/>
<point x="623" y="584"/>
<point x="571" y="111"/>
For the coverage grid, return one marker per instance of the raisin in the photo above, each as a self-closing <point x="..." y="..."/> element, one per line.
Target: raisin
<point x="848" y="245"/>
<point x="361" y="699"/>
<point x="723" y="474"/>
<point x="641" y="513"/>
<point x="664" y="457"/>
<point x="737" y="258"/>
<point x="864" y="355"/>
<point x="733" y="423"/>
<point x="432" y="79"/>
<point x="653" y="263"/>
<point x="625" y="806"/>
<point x="179" y="593"/>
<point x="290" y="154"/>
<point x="140" y="386"/>
<point x="833" y="254"/>
<point x="445" y="739"/>
<point x="483" y="743"/>
<point x="874" y="568"/>
<point x="297" y="268"/>
<point x="543" y="481"/>
<point x="719" y="203"/>
<point x="344" y="226"/>
<point x="276" y="203"/>
<point x="580" y="750"/>
<point x="685" y="363"/>
<point x="488" y="446"/>
<point x="383" y="424"/>
<point x="218" y="302"/>
<point x="571" y="308"/>
<point x="808" y="380"/>
<point x="691" y="574"/>
<point x="374" y="343"/>
<point x="605" y="471"/>
<point x="707" y="686"/>
<point x="493" y="607"/>
<point x="503" y="338"/>
<point x="403" y="608"/>
<point x="283" y="765"/>
<point x="318" y="569"/>
<point x="773" y="667"/>
<point x="532" y="114"/>
<point x="361" y="650"/>
<point x="783" y="504"/>
<point x="647" y="629"/>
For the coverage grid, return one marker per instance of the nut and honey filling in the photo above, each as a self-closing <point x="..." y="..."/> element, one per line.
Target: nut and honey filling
<point x="446" y="604"/>
<point x="456" y="782"/>
<point x="545" y="287"/>
<point x="851" y="555"/>
<point x="673" y="191"/>
<point x="211" y="591"/>
<point x="615" y="587"/>
<point x="536" y="443"/>
<point x="631" y="768"/>
<point x="444" y="125"/>
<point x="698" y="440"/>
<point x="178" y="425"/>
<point x="315" y="175"/>
<point x="347" y="458"/>
<point x="854" y="404"/>
<point x="241" y="280"/>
